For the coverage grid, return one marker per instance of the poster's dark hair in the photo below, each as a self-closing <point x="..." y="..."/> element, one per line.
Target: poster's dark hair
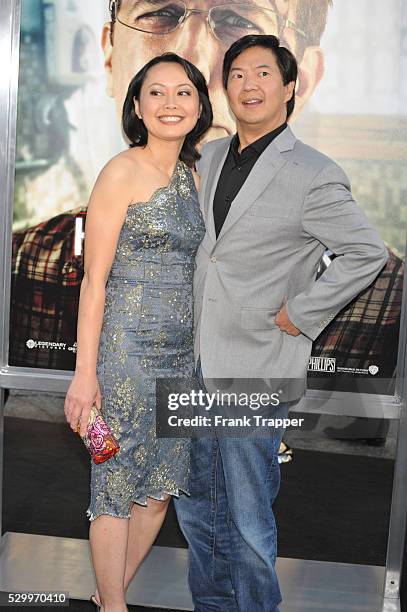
<point x="134" y="127"/>
<point x="286" y="62"/>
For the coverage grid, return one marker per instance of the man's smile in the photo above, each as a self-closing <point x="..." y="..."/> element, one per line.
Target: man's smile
<point x="252" y="102"/>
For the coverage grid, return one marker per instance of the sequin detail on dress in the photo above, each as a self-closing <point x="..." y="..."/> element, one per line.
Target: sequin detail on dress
<point x="147" y="333"/>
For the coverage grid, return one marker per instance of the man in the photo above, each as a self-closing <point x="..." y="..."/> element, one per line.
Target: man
<point x="46" y="271"/>
<point x="272" y="205"/>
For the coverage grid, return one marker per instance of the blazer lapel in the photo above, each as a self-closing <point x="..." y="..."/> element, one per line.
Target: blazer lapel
<point x="263" y="172"/>
<point x="215" y="169"/>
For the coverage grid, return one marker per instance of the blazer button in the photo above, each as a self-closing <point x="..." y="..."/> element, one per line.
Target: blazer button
<point x="213" y="259"/>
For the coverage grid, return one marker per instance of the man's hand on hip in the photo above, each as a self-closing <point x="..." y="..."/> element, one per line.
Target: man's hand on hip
<point x="285" y="324"/>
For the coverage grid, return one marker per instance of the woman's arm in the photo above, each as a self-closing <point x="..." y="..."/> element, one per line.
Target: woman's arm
<point x="108" y="204"/>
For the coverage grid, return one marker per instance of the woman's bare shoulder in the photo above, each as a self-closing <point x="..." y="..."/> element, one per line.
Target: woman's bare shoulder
<point x="114" y="187"/>
<point x="122" y="165"/>
<point x="122" y="175"/>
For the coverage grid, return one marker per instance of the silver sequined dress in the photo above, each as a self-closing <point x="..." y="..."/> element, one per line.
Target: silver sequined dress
<point x="147" y="333"/>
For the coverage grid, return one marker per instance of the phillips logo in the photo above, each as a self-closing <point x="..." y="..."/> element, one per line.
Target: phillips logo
<point x="322" y="364"/>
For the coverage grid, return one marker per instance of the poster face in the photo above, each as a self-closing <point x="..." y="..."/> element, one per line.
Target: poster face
<point x="75" y="66"/>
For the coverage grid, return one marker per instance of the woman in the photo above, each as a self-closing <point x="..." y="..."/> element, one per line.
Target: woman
<point x="142" y="231"/>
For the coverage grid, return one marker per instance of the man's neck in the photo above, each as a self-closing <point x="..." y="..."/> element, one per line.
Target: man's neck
<point x="250" y="133"/>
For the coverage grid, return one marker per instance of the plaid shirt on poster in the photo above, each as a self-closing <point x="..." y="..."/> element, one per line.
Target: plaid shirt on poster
<point x="45" y="284"/>
<point x="366" y="331"/>
<point x="46" y="279"/>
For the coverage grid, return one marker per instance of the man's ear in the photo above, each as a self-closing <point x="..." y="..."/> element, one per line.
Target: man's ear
<point x="290" y="88"/>
<point x="310" y="72"/>
<point x="108" y="53"/>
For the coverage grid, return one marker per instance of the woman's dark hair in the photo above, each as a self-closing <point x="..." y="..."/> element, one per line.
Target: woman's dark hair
<point x="134" y="127"/>
<point x="286" y="62"/>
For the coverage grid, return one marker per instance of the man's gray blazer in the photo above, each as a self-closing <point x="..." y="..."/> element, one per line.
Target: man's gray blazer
<point x="295" y="203"/>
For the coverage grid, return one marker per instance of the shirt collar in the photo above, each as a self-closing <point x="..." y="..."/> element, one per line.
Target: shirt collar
<point x="258" y="145"/>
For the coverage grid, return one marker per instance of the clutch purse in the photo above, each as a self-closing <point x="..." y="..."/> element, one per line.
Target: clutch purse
<point x="99" y="439"/>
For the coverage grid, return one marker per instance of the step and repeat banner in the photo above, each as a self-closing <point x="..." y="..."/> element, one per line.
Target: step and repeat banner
<point x="75" y="66"/>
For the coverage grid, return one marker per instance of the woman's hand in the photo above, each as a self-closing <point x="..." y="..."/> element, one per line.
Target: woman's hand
<point x="83" y="391"/>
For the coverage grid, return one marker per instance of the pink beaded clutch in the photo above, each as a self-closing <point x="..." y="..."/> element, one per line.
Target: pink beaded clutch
<point x="99" y="439"/>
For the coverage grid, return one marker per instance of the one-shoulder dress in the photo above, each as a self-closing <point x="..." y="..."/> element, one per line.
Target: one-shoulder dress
<point x="147" y="333"/>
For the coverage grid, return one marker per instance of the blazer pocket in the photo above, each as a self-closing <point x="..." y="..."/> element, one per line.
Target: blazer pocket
<point x="258" y="318"/>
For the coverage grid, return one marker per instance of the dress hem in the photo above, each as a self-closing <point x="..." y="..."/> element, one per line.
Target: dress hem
<point x="140" y="502"/>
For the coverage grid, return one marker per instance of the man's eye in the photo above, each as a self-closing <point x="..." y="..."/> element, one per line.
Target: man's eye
<point x="227" y="19"/>
<point x="236" y="75"/>
<point x="160" y="21"/>
<point x="264" y="73"/>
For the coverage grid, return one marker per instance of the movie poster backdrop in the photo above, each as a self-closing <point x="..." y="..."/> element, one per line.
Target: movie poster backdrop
<point x="351" y="103"/>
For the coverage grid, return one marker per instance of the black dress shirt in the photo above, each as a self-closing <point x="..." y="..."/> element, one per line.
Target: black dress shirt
<point x="235" y="171"/>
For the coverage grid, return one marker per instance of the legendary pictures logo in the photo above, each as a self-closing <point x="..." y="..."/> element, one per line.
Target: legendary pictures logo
<point x="42" y="344"/>
<point x="322" y="364"/>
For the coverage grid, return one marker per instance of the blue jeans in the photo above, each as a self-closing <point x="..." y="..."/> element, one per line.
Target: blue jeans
<point x="229" y="524"/>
